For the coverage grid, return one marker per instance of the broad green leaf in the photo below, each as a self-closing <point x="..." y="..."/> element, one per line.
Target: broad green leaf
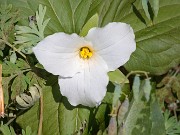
<point x="92" y="22"/>
<point x="158" y="43"/>
<point x="60" y="118"/>
<point x="68" y="16"/>
<point x="117" y="77"/>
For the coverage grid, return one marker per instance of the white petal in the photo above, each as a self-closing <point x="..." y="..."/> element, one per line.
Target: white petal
<point x="114" y="43"/>
<point x="59" y="53"/>
<point x="88" y="87"/>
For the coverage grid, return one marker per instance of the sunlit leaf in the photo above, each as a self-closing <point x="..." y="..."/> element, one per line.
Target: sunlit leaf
<point x="117" y="77"/>
<point x="92" y="22"/>
<point x="145" y="7"/>
<point x="155" y="6"/>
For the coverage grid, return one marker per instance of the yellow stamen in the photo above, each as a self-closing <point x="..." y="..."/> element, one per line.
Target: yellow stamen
<point x="85" y="53"/>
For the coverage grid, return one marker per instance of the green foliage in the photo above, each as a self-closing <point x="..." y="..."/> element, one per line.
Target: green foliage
<point x="156" y="32"/>
<point x="136" y="87"/>
<point x="10" y="131"/>
<point x="147" y="89"/>
<point x="168" y="90"/>
<point x="26" y="36"/>
<point x="15" y="78"/>
<point x="7" y="130"/>
<point x="144" y="118"/>
<point x="157" y="42"/>
<point x="8" y="17"/>
<point x="145" y="7"/>
<point x="65" y="118"/>
<point x="92" y="22"/>
<point x="117" y="77"/>
<point x="171" y="124"/>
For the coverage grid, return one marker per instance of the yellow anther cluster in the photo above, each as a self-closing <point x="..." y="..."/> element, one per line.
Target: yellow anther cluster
<point x="85" y="53"/>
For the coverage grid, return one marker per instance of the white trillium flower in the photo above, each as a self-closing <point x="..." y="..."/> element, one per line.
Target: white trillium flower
<point x="82" y="63"/>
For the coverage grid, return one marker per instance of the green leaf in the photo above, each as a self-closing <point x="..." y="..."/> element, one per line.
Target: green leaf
<point x="8" y="17"/>
<point x="144" y="118"/>
<point x="155" y="6"/>
<point x="136" y="87"/>
<point x="67" y="16"/>
<point x="116" y="94"/>
<point x="13" y="57"/>
<point x="158" y="43"/>
<point x="147" y="89"/>
<point x="138" y="119"/>
<point x="57" y="112"/>
<point x="7" y="130"/>
<point x="172" y="126"/>
<point x="117" y="77"/>
<point x="158" y="127"/>
<point x="19" y="85"/>
<point x="145" y="7"/>
<point x="27" y="37"/>
<point x="92" y="22"/>
<point x="10" y="68"/>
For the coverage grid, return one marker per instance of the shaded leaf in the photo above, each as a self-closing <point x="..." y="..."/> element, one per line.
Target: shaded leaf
<point x="57" y="112"/>
<point x="27" y="37"/>
<point x="19" y="85"/>
<point x="158" y="127"/>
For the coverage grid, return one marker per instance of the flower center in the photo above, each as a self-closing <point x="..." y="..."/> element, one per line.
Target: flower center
<point x="85" y="53"/>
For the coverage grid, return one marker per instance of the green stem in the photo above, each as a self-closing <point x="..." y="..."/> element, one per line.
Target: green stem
<point x="14" y="48"/>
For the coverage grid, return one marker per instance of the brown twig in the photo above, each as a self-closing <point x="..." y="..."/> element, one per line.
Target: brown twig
<point x="1" y="95"/>
<point x="41" y="112"/>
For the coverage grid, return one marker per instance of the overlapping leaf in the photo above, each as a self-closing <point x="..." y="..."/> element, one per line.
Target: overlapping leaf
<point x="59" y="116"/>
<point x="158" y="43"/>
